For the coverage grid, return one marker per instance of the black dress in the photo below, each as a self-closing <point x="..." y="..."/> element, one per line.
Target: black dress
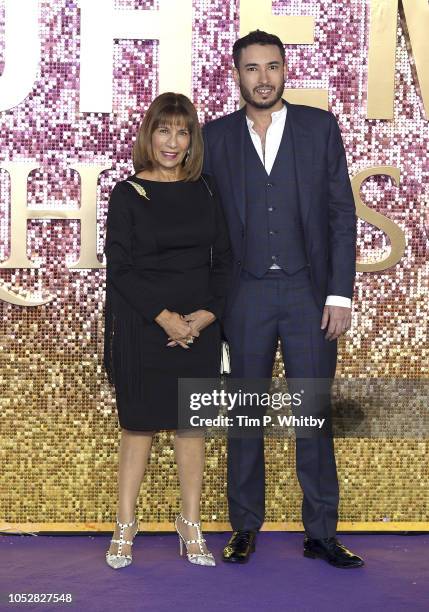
<point x="170" y="250"/>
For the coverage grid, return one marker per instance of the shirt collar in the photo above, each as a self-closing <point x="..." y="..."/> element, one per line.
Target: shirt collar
<point x="276" y="116"/>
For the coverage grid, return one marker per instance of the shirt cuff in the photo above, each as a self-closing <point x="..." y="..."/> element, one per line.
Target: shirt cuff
<point x="338" y="300"/>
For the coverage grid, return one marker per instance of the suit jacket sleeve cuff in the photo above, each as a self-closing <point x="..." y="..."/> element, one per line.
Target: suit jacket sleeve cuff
<point x="338" y="300"/>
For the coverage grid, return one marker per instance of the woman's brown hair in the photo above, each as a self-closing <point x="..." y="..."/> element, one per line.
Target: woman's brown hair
<point x="167" y="109"/>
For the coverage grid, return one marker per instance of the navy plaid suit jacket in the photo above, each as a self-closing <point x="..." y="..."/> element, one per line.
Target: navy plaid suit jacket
<point x="325" y="195"/>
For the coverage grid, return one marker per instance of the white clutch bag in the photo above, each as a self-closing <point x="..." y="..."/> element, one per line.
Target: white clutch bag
<point x="225" y="362"/>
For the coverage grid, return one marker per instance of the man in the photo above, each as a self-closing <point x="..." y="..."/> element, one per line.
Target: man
<point x="282" y="177"/>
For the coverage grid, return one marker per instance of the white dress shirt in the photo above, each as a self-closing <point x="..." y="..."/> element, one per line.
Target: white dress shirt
<point x="273" y="138"/>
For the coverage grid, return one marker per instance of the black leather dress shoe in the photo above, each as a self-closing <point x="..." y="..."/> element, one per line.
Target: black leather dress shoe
<point x="332" y="551"/>
<point x="239" y="547"/>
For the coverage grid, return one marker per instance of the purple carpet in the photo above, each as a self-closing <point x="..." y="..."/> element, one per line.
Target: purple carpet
<point x="278" y="577"/>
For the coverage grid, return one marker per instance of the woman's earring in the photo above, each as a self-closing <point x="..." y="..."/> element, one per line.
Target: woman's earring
<point x="187" y="156"/>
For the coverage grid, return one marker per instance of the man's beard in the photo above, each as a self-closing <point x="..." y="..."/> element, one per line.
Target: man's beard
<point x="248" y="97"/>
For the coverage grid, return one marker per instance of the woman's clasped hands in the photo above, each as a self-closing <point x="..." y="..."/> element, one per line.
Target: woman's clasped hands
<point x="183" y="329"/>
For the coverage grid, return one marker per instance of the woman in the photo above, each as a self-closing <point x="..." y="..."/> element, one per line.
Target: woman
<point x="168" y="260"/>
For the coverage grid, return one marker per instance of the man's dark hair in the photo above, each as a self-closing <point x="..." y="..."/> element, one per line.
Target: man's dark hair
<point x="257" y="37"/>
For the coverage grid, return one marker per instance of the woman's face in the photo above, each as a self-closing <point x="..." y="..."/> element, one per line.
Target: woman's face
<point x="170" y="144"/>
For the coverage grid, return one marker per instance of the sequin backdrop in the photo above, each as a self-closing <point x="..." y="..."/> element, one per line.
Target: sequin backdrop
<point x="59" y="427"/>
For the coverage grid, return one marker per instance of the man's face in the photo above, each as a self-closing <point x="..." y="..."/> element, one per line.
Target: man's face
<point x="261" y="75"/>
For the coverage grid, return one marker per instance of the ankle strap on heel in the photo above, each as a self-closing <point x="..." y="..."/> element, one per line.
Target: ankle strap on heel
<point x="122" y="525"/>
<point x="190" y="523"/>
<point x="199" y="540"/>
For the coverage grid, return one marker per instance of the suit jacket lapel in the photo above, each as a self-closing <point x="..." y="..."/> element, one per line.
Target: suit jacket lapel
<point x="234" y="144"/>
<point x="303" y="148"/>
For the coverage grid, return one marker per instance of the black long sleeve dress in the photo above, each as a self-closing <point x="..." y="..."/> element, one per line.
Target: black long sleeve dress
<point x="166" y="247"/>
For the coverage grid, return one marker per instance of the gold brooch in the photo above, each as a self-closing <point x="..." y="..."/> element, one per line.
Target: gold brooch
<point x="139" y="188"/>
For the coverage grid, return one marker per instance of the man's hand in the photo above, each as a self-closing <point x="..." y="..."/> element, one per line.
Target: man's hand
<point x="338" y="319"/>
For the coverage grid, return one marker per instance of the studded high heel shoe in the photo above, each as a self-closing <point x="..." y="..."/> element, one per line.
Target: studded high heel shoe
<point x="201" y="558"/>
<point x="119" y="560"/>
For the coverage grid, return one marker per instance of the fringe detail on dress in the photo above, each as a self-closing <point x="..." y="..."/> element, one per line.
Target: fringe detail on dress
<point x="109" y="329"/>
<point x="123" y="347"/>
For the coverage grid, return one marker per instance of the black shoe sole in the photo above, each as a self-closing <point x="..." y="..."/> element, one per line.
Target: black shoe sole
<point x="313" y="555"/>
